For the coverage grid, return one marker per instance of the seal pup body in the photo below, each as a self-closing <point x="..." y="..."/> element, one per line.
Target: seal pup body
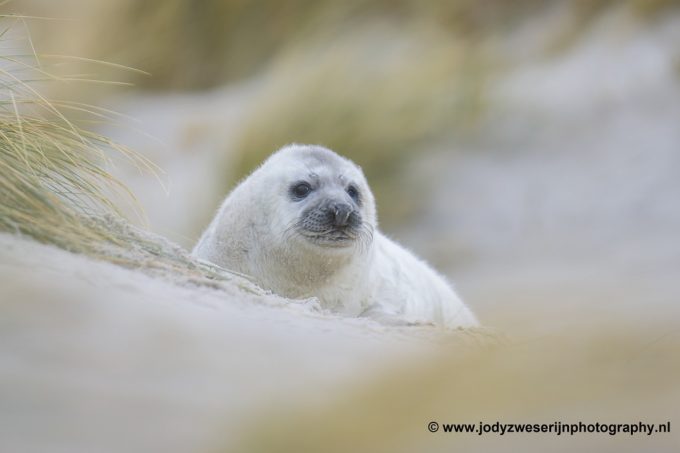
<point x="304" y="225"/>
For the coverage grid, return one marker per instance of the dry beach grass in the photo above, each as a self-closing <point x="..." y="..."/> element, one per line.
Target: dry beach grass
<point x="55" y="186"/>
<point x="54" y="175"/>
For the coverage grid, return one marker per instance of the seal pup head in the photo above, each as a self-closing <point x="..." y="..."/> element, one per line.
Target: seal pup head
<point x="325" y="199"/>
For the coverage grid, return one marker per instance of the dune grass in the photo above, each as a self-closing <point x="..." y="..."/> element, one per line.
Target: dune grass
<point x="54" y="184"/>
<point x="53" y="173"/>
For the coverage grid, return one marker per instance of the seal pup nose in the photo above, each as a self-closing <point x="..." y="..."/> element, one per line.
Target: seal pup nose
<point x="341" y="213"/>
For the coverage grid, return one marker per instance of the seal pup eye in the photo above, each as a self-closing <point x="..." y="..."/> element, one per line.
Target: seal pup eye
<point x="301" y="190"/>
<point x="353" y="192"/>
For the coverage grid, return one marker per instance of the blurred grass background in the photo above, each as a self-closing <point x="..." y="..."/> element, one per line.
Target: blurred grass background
<point x="376" y="80"/>
<point x="188" y="45"/>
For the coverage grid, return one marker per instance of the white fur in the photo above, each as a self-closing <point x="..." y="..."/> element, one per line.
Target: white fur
<point x="375" y="277"/>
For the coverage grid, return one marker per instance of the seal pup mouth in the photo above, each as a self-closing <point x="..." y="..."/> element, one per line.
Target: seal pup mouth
<point x="333" y="239"/>
<point x="337" y="225"/>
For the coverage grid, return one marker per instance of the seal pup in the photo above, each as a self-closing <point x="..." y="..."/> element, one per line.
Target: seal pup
<point x="304" y="225"/>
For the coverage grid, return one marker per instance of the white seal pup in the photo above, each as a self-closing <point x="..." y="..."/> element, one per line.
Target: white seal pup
<point x="304" y="225"/>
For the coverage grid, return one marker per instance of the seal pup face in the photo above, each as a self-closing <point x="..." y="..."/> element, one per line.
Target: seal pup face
<point x="328" y="201"/>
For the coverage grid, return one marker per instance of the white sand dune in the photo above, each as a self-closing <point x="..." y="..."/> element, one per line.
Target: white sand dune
<point x="95" y="357"/>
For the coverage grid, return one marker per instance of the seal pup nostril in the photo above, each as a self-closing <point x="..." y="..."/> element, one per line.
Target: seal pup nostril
<point x="341" y="213"/>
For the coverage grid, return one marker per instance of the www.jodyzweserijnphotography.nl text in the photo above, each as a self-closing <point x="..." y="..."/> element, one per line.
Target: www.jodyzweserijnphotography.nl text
<point x="556" y="428"/>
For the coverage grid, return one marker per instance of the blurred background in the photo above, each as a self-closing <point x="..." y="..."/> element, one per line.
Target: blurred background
<point x="530" y="150"/>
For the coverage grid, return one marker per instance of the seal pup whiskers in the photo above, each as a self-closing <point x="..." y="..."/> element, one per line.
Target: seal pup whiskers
<point x="304" y="225"/>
